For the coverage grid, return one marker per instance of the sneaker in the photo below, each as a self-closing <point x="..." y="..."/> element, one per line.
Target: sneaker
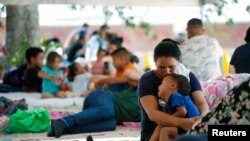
<point x="58" y="127"/>
<point x="89" y="138"/>
<point x="51" y="133"/>
<point x="4" y="121"/>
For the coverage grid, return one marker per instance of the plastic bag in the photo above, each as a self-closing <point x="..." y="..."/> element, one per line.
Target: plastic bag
<point x="29" y="121"/>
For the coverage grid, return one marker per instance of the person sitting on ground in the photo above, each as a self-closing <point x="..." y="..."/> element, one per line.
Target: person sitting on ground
<point x="98" y="66"/>
<point x="102" y="111"/>
<point x="77" y="49"/>
<point x="95" y="42"/>
<point x="124" y="69"/>
<point x="53" y="78"/>
<point x="240" y="59"/>
<point x="25" y="78"/>
<point x="175" y="91"/>
<point x="80" y="78"/>
<point x="114" y="44"/>
<point x="73" y="36"/>
<point x="167" y="60"/>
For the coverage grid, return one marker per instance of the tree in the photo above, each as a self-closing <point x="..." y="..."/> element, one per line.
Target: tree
<point x="22" y="31"/>
<point x="218" y="7"/>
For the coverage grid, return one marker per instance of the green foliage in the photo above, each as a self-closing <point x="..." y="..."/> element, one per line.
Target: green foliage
<point x="230" y="22"/>
<point x="220" y="5"/>
<point x="107" y="13"/>
<point x="248" y="9"/>
<point x="47" y="45"/>
<point x="16" y="57"/>
<point x="146" y="26"/>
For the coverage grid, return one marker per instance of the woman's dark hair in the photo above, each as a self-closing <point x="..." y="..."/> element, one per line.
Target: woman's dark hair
<point x="116" y="41"/>
<point x="110" y="36"/>
<point x="133" y="58"/>
<point x="52" y="40"/>
<point x="183" y="85"/>
<point x="167" y="48"/>
<point x="52" y="56"/>
<point x="72" y="72"/>
<point x="247" y="38"/>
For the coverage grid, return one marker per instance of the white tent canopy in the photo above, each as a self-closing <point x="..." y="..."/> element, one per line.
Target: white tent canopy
<point x="112" y="2"/>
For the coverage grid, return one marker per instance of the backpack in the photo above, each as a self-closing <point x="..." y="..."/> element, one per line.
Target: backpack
<point x="14" y="77"/>
<point x="10" y="107"/>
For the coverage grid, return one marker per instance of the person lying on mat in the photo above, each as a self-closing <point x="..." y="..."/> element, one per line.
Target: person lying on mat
<point x="104" y="109"/>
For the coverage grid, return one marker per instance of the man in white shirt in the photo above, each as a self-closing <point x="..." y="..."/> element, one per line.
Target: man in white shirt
<point x="201" y="53"/>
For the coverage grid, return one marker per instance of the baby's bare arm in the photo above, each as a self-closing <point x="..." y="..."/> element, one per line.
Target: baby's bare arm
<point x="180" y="112"/>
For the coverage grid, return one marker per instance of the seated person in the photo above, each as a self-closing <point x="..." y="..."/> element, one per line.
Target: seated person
<point x="126" y="72"/>
<point x="77" y="49"/>
<point x="174" y="90"/>
<point x="98" y="66"/>
<point x="53" y="78"/>
<point x="25" y="77"/>
<point x="79" y="78"/>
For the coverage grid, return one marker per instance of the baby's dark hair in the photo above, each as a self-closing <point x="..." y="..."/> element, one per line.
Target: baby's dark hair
<point x="32" y="52"/>
<point x="72" y="72"/>
<point x="167" y="48"/>
<point x="51" y="57"/>
<point x="183" y="85"/>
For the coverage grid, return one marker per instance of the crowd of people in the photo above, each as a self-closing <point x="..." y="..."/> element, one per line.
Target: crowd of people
<point x="168" y="100"/>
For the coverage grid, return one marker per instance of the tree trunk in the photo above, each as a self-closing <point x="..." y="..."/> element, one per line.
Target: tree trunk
<point x="22" y="31"/>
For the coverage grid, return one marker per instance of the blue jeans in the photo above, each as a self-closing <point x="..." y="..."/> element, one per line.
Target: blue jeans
<point x="98" y="114"/>
<point x="118" y="87"/>
<point x="199" y="137"/>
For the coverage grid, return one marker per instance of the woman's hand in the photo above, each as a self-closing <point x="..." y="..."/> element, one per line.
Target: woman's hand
<point x="197" y="121"/>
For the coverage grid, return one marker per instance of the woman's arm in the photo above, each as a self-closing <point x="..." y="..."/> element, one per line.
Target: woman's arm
<point x="150" y="104"/>
<point x="200" y="102"/>
<point x="197" y="95"/>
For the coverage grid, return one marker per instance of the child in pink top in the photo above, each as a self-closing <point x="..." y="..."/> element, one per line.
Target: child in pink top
<point x="98" y="66"/>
